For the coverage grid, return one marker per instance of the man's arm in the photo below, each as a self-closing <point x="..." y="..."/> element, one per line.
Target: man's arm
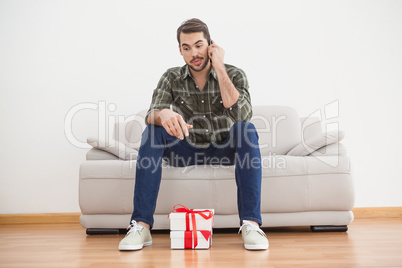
<point x="235" y="95"/>
<point x="229" y="93"/>
<point x="160" y="114"/>
<point x="153" y="118"/>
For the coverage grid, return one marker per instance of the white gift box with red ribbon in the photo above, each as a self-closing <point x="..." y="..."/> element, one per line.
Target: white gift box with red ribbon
<point x="178" y="221"/>
<point x="184" y="240"/>
<point x="191" y="228"/>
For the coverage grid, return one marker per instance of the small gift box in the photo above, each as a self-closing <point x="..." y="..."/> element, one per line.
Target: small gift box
<point x="203" y="218"/>
<point x="191" y="228"/>
<point x="184" y="240"/>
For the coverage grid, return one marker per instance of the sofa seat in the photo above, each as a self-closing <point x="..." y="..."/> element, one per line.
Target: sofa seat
<point x="306" y="185"/>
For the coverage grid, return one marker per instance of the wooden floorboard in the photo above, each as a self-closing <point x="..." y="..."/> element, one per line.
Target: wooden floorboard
<point x="359" y="213"/>
<point x="40" y="218"/>
<point x="368" y="243"/>
<point x="377" y="212"/>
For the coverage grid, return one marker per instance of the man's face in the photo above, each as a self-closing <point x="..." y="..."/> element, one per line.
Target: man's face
<point x="194" y="49"/>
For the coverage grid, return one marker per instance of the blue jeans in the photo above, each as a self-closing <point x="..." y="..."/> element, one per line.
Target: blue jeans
<point x="240" y="148"/>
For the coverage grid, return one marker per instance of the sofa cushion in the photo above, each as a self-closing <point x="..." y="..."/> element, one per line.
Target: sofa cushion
<point x="333" y="149"/>
<point x="96" y="154"/>
<point x="278" y="127"/>
<point x="310" y="127"/>
<point x="114" y="147"/>
<point x="307" y="147"/>
<point x="137" y="126"/>
<point x="129" y="130"/>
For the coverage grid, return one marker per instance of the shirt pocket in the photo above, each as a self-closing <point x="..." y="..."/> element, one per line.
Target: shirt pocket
<point x="184" y="105"/>
<point x="217" y="105"/>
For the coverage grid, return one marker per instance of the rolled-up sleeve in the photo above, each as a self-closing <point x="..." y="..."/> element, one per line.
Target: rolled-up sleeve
<point x="241" y="110"/>
<point x="162" y="96"/>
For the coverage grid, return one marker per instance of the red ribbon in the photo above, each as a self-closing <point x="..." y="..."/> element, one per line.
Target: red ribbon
<point x="188" y="238"/>
<point x="206" y="214"/>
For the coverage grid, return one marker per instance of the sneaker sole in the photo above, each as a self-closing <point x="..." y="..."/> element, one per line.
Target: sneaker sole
<point x="135" y="247"/>
<point x="256" y="247"/>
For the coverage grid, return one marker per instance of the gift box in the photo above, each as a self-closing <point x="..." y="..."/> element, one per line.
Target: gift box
<point x="185" y="240"/>
<point x="180" y="220"/>
<point x="191" y="228"/>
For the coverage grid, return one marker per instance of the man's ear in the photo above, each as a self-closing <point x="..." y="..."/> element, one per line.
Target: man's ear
<point x="181" y="52"/>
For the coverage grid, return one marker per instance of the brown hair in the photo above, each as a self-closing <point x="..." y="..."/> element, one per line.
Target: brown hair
<point x="193" y="26"/>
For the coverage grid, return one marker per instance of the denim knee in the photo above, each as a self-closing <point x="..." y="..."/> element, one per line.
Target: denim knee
<point x="245" y="132"/>
<point x="157" y="137"/>
<point x="153" y="129"/>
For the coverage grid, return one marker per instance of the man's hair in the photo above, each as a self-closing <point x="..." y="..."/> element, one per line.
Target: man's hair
<point x="193" y="26"/>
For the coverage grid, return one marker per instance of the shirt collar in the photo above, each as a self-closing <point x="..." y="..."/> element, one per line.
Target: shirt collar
<point x="186" y="72"/>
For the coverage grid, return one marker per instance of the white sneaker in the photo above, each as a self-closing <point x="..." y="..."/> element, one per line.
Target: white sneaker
<point x="253" y="237"/>
<point x="136" y="238"/>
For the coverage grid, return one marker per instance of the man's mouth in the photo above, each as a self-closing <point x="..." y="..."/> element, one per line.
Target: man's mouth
<point x="196" y="61"/>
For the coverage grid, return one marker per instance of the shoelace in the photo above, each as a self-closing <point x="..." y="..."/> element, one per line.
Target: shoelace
<point x="134" y="227"/>
<point x="249" y="226"/>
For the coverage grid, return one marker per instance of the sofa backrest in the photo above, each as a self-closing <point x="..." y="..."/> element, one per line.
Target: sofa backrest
<point x="310" y="127"/>
<point x="130" y="131"/>
<point x="279" y="129"/>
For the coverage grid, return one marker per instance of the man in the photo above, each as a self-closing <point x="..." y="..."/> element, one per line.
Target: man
<point x="199" y="113"/>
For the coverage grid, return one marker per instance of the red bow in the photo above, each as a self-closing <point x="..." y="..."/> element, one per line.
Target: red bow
<point x="206" y="214"/>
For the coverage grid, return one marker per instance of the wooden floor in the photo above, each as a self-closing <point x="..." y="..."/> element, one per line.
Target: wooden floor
<point x="368" y="243"/>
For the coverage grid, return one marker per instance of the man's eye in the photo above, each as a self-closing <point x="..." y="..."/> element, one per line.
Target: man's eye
<point x="186" y="48"/>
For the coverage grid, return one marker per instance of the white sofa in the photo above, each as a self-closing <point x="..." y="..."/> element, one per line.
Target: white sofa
<point x="306" y="178"/>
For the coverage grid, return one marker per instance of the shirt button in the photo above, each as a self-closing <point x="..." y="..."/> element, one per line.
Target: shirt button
<point x="221" y="101"/>
<point x="230" y="108"/>
<point x="206" y="130"/>
<point x="182" y="102"/>
<point x="203" y="115"/>
<point x="202" y="101"/>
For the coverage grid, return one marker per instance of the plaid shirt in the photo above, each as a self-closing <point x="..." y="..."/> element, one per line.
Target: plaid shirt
<point x="204" y="109"/>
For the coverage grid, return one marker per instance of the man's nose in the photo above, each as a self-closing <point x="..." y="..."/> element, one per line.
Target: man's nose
<point x="194" y="53"/>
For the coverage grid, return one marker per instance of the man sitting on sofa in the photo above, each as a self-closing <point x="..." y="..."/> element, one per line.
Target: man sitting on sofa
<point x="199" y="115"/>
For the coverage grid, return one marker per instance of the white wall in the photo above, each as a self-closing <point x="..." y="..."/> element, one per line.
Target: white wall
<point x="55" y="55"/>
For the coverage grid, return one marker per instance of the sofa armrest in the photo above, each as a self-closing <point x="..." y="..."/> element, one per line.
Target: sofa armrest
<point x="311" y="126"/>
<point x="332" y="149"/>
<point x="114" y="147"/>
<point x="97" y="154"/>
<point x="306" y="147"/>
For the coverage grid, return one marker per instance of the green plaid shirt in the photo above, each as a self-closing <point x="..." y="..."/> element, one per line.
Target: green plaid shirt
<point x="204" y="109"/>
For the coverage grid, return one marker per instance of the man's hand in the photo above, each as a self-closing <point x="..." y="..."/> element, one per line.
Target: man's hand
<point x="172" y="122"/>
<point x="216" y="53"/>
<point x="229" y="93"/>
